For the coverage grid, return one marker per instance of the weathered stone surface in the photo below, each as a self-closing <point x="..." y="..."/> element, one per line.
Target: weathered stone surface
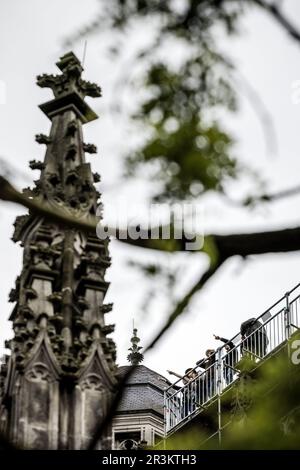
<point x="57" y="382"/>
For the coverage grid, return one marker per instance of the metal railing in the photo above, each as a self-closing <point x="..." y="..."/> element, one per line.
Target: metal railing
<point x="187" y="397"/>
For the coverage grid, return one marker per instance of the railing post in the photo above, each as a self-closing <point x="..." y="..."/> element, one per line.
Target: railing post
<point x="287" y="317"/>
<point x="287" y="321"/>
<point x="219" y="391"/>
<point x="165" y="414"/>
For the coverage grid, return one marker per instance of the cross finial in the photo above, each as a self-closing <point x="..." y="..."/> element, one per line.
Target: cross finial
<point x="69" y="89"/>
<point x="70" y="80"/>
<point x="135" y="356"/>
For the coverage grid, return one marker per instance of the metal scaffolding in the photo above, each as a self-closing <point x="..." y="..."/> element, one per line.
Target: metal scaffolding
<point x="184" y="401"/>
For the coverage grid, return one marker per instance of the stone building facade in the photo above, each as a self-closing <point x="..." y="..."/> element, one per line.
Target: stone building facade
<point x="60" y="375"/>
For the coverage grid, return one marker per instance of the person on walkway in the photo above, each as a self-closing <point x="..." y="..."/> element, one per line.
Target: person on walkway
<point x="189" y="374"/>
<point x="230" y="359"/>
<point x="208" y="384"/>
<point x="254" y="339"/>
<point x="189" y="391"/>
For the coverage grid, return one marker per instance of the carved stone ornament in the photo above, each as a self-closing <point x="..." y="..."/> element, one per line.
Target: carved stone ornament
<point x="54" y="260"/>
<point x="38" y="373"/>
<point x="92" y="382"/>
<point x="70" y="79"/>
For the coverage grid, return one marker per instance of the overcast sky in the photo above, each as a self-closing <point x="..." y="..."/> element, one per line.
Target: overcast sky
<point x="31" y="39"/>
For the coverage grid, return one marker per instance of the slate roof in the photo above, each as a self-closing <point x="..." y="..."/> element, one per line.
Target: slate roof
<point x="144" y="390"/>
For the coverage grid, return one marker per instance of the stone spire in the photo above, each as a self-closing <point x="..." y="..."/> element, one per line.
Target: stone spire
<point x="135" y="356"/>
<point x="66" y="179"/>
<point x="58" y="379"/>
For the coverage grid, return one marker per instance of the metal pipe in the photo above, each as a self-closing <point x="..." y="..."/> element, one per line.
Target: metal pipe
<point x="219" y="391"/>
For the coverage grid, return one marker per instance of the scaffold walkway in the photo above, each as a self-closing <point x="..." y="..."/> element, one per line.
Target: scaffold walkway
<point x="184" y="401"/>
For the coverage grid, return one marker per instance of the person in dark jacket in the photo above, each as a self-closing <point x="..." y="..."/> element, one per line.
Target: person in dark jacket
<point x="209" y="378"/>
<point x="189" y="391"/>
<point x="207" y="361"/>
<point x="254" y="338"/>
<point x="230" y="359"/>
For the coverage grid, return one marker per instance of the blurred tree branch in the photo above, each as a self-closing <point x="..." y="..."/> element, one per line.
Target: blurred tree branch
<point x="178" y="99"/>
<point x="220" y="247"/>
<point x="281" y="19"/>
<point x="217" y="247"/>
<point x="253" y="200"/>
